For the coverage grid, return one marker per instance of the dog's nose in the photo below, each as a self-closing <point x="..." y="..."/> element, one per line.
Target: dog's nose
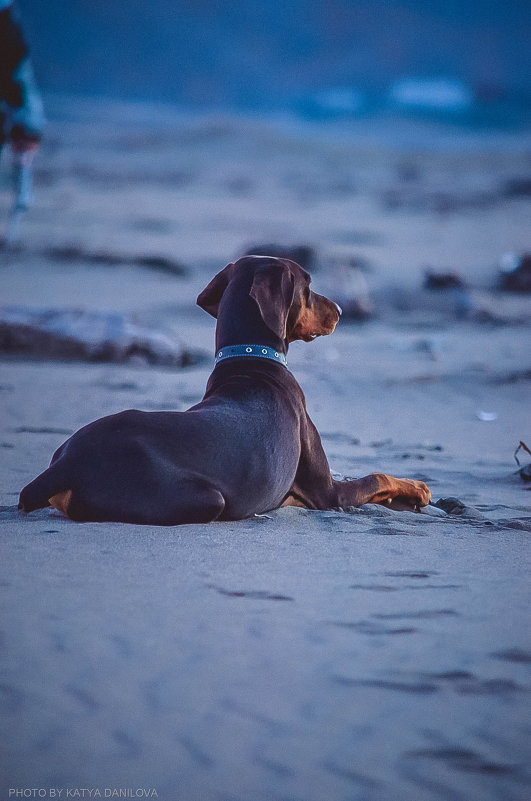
<point x="338" y="307"/>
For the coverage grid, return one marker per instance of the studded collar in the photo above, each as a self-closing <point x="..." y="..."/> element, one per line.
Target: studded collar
<point x="250" y="351"/>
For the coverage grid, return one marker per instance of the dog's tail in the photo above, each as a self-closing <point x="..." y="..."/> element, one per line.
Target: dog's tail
<point x="38" y="492"/>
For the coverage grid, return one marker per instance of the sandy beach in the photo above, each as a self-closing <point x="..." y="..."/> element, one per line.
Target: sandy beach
<point x="299" y="656"/>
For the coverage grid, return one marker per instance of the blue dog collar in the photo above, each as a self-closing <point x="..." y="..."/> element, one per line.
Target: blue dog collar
<point x="247" y="351"/>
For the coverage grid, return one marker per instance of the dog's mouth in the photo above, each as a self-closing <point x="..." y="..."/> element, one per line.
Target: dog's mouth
<point x="314" y="334"/>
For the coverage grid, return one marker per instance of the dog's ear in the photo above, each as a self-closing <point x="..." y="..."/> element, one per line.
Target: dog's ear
<point x="273" y="289"/>
<point x="209" y="299"/>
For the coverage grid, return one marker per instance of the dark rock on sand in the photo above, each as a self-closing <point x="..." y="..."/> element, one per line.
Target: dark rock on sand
<point x="88" y="336"/>
<point x="517" y="187"/>
<point x="305" y="255"/>
<point x="442" y="280"/>
<point x="515" y="272"/>
<point x="453" y="506"/>
<point x="75" y="253"/>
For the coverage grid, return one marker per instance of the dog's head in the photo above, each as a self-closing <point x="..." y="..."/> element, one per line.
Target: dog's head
<point x="281" y="290"/>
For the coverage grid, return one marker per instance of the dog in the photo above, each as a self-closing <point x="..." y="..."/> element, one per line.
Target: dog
<point x="248" y="447"/>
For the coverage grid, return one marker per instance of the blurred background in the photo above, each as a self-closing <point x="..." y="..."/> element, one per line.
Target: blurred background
<point x="387" y="142"/>
<point x="390" y="140"/>
<point x="345" y="56"/>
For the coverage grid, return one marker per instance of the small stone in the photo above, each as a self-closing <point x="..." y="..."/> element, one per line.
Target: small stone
<point x="452" y="506"/>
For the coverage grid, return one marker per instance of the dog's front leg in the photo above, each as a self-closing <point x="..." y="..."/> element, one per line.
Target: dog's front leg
<point x="384" y="489"/>
<point x="314" y="486"/>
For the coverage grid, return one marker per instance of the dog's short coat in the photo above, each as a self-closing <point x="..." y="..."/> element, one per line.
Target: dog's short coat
<point x="248" y="447"/>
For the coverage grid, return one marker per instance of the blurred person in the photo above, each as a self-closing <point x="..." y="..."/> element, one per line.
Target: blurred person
<point x="21" y="111"/>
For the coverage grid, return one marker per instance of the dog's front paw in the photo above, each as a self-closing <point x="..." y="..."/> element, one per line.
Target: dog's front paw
<point x="414" y="493"/>
<point x="401" y="492"/>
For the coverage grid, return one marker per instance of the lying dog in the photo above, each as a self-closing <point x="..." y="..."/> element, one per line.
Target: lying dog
<point x="248" y="447"/>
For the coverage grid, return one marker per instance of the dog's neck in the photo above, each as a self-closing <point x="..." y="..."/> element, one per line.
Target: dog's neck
<point x="240" y="321"/>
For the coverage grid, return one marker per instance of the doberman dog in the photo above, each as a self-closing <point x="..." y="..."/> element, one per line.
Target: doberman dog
<point x="248" y="447"/>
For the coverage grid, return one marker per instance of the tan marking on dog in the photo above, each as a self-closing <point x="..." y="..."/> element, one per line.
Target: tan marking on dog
<point x="318" y="319"/>
<point x="291" y="500"/>
<point x="61" y="501"/>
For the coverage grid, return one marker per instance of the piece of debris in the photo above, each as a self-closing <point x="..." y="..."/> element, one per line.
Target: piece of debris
<point x="512" y="378"/>
<point x="89" y="336"/>
<point x="305" y="255"/>
<point x="453" y="506"/>
<point x="76" y="253"/>
<point x="517" y="187"/>
<point x="457" y="293"/>
<point x="486" y="417"/>
<point x="515" y="272"/>
<point x="440" y="280"/>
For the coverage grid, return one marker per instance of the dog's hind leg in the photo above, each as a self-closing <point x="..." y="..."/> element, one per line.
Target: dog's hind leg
<point x="197" y="504"/>
<point x="186" y="501"/>
<point x="37" y="493"/>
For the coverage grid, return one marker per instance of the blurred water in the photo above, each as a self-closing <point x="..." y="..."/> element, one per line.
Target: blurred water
<point x="339" y="58"/>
